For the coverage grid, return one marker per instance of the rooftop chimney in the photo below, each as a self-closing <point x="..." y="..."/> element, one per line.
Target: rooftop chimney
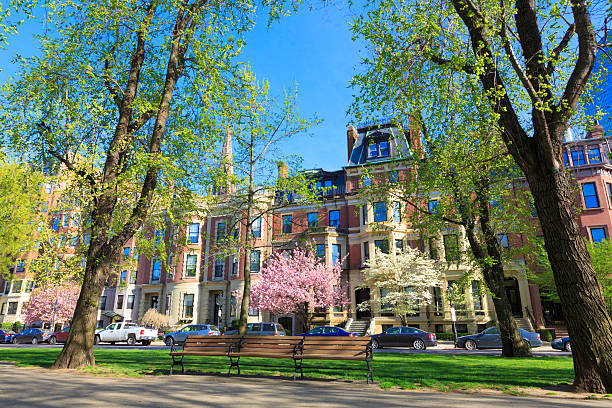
<point x="596" y="131"/>
<point x="351" y="137"/>
<point x="283" y="170"/>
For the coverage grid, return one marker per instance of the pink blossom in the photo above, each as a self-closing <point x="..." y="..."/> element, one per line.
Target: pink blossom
<point x="42" y="301"/>
<point x="287" y="283"/>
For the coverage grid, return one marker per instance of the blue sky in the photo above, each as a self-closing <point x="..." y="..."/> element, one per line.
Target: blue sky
<point x="313" y="48"/>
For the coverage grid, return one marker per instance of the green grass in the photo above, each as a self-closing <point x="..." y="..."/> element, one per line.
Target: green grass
<point x="407" y="371"/>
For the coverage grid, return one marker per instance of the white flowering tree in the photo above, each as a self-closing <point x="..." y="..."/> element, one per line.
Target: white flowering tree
<point x="404" y="280"/>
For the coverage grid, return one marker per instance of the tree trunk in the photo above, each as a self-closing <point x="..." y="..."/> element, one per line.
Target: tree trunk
<point x="589" y="325"/>
<point x="78" y="350"/>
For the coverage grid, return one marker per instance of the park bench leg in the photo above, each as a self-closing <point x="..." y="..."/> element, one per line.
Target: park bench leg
<point x="298" y="366"/>
<point x="177" y="362"/>
<point x="370" y="374"/>
<point x="234" y="364"/>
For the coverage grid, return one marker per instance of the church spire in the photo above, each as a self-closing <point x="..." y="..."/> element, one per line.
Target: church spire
<point x="226" y="165"/>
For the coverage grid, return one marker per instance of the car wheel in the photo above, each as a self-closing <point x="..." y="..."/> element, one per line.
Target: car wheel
<point x="14" y="340"/>
<point x="34" y="340"/>
<point x="418" y="344"/>
<point x="97" y="340"/>
<point x="52" y="340"/>
<point x="131" y="341"/>
<point x="375" y="344"/>
<point x="567" y="347"/>
<point x="470" y="345"/>
<point x="146" y="342"/>
<point x="169" y="341"/>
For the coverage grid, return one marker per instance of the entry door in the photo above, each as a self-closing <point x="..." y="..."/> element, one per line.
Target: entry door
<point x="362" y="295"/>
<point x="287" y="323"/>
<point x="514" y="296"/>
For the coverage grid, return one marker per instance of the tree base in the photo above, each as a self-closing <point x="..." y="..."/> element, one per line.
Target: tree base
<point x="74" y="355"/>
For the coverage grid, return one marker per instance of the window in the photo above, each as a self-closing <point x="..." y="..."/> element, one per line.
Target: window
<point x="433" y="249"/>
<point x="320" y="252"/>
<point x="219" y="266"/>
<point x="382" y="245"/>
<point x="103" y="303"/>
<point x="503" y="240"/>
<point x="73" y="241"/>
<point x="411" y="295"/>
<point x="594" y="155"/>
<point x="17" y="286"/>
<point x="123" y="277"/>
<point x="3" y="309"/>
<point x="334" y="219"/>
<point x="609" y="188"/>
<point x="154" y="302"/>
<point x="366" y="181"/>
<point x="384" y="148"/>
<point x="168" y="304"/>
<point x="393" y="176"/>
<point x="336" y="253"/>
<point x="437" y="301"/>
<point x="397" y="211"/>
<point x="385" y="308"/>
<point x="313" y="222"/>
<point x="188" y="306"/>
<point x="476" y="295"/>
<point x="159" y="235"/>
<point x="56" y="223"/>
<point x="451" y="247"/>
<point x="364" y="214"/>
<point x="194" y="233"/>
<point x="66" y="220"/>
<point x="255" y="261"/>
<point x="253" y="312"/>
<point x="12" y="308"/>
<point x="130" y="302"/>
<point x="372" y="150"/>
<point x="7" y="288"/>
<point x="598" y="234"/>
<point x="235" y="265"/>
<point x="287" y="224"/>
<point x="133" y="276"/>
<point x="366" y="251"/>
<point x="29" y="286"/>
<point x="433" y="206"/>
<point x="577" y="157"/>
<point x="220" y="231"/>
<point x="76" y="220"/>
<point x="156" y="270"/>
<point x="119" y="301"/>
<point x="399" y="246"/>
<point x="590" y="195"/>
<point x="256" y="227"/>
<point x="190" y="266"/>
<point x="566" y="159"/>
<point x="380" y="212"/>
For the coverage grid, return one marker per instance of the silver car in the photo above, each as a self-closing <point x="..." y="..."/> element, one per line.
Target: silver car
<point x="179" y="337"/>
<point x="262" y="329"/>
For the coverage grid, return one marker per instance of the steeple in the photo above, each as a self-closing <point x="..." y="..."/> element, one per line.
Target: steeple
<point x="226" y="166"/>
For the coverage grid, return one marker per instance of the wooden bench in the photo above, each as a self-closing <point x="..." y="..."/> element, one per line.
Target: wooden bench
<point x="294" y="348"/>
<point x="336" y="348"/>
<point x="203" y="346"/>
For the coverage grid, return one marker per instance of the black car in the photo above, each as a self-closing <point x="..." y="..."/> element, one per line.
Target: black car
<point x="33" y="336"/>
<point x="404" y="337"/>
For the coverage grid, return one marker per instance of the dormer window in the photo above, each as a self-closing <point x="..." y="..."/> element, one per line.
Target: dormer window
<point x="378" y="147"/>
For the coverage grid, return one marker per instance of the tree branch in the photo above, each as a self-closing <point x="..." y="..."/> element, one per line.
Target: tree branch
<point x="554" y="55"/>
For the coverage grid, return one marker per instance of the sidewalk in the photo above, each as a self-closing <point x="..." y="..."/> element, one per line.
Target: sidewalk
<point x="37" y="387"/>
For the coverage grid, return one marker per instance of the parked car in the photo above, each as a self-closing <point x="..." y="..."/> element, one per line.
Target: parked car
<point x="404" y="337"/>
<point x="328" y="331"/>
<point x="6" y="335"/>
<point x="261" y="329"/>
<point x="33" y="336"/>
<point x="59" y="336"/>
<point x="125" y="332"/>
<point x="562" y="344"/>
<point x="491" y="338"/>
<point x="179" y="337"/>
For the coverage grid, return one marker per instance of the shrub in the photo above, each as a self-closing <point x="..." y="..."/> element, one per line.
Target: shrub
<point x="159" y="321"/>
<point x="449" y="336"/>
<point x="545" y="334"/>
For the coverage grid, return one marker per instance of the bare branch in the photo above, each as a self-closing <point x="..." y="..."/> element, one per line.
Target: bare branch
<point x="554" y="55"/>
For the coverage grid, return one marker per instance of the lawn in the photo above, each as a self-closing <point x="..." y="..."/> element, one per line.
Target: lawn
<point x="443" y="372"/>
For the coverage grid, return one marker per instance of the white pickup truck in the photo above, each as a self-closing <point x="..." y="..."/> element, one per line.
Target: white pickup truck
<point x="125" y="332"/>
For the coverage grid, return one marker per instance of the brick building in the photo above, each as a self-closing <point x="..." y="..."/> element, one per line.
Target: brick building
<point x="201" y="283"/>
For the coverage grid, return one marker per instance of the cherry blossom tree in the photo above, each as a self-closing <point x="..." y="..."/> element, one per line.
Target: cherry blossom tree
<point x="298" y="282"/>
<point x="53" y="302"/>
<point x="404" y="280"/>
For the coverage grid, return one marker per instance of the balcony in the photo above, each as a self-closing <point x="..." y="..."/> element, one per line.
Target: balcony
<point x="326" y="230"/>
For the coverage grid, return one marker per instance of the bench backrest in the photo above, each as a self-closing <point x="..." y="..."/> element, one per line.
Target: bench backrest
<point x="209" y="343"/>
<point x="336" y="346"/>
<point x="278" y="345"/>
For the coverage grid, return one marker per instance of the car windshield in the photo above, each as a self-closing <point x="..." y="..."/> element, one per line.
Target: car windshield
<point x="318" y="330"/>
<point x="393" y="330"/>
<point x="492" y="330"/>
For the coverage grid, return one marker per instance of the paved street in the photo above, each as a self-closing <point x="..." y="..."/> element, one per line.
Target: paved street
<point x="36" y="387"/>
